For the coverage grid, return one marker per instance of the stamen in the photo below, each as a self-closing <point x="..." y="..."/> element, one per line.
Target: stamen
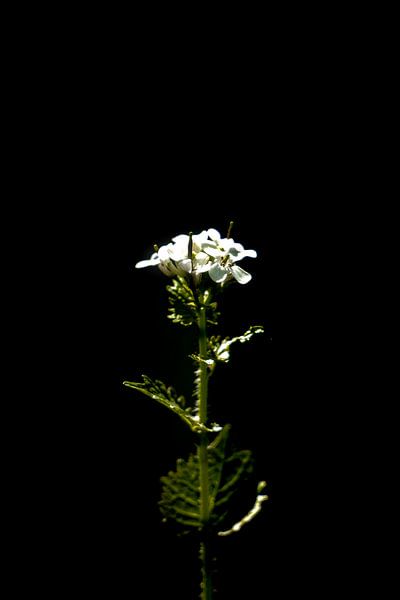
<point x="228" y="235"/>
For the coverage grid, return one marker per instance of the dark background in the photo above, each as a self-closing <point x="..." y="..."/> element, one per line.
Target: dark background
<point x="117" y="141"/>
<point x="99" y="449"/>
<point x="114" y="170"/>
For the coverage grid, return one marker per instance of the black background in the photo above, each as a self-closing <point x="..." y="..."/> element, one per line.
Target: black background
<point x="120" y="140"/>
<point x="98" y="449"/>
<point x="112" y="172"/>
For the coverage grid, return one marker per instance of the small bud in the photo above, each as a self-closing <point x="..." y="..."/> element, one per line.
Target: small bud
<point x="228" y="235"/>
<point x="261" y="486"/>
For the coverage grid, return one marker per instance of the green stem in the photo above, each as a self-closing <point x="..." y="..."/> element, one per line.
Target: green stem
<point x="203" y="367"/>
<point x="203" y="456"/>
<point x="206" y="586"/>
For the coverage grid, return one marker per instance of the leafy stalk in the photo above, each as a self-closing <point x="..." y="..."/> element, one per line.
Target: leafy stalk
<point x="197" y="495"/>
<point x="157" y="390"/>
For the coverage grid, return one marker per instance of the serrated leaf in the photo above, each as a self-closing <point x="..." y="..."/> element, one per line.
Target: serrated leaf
<point x="220" y="350"/>
<point x="167" y="396"/>
<point x="186" y="301"/>
<point x="209" y="361"/>
<point x="183" y="308"/>
<point x="180" y="499"/>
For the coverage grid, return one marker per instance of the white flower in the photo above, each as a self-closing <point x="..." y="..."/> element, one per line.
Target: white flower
<point x="173" y="259"/>
<point x="209" y="253"/>
<point x="224" y="253"/>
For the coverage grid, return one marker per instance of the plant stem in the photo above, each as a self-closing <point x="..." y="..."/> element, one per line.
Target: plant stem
<point x="203" y="366"/>
<point x="206" y="586"/>
<point x="203" y="456"/>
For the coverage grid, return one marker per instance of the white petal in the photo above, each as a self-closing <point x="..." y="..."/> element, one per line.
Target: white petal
<point x="227" y="244"/>
<point x="211" y="249"/>
<point x="154" y="260"/>
<point x="240" y="275"/>
<point x="185" y="265"/>
<point x="201" y="258"/>
<point x="198" y="241"/>
<point x="200" y="237"/>
<point x="218" y="273"/>
<point x="214" y="235"/>
<point x="178" y="251"/>
<point x="204" y="268"/>
<point x="202" y="262"/>
<point x="163" y="252"/>
<point x="238" y="247"/>
<point x="181" y="238"/>
<point x="170" y="251"/>
<point x="249" y="253"/>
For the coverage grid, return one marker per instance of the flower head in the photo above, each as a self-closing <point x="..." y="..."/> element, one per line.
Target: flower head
<point x="224" y="253"/>
<point x="173" y="259"/>
<point x="201" y="253"/>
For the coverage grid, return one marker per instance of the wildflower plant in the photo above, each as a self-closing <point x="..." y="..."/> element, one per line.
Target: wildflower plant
<point x="198" y="494"/>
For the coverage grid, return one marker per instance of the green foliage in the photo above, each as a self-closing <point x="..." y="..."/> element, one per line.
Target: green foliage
<point x="196" y="390"/>
<point x="166" y="395"/>
<point x="198" y="495"/>
<point x="212" y="312"/>
<point x="180" y="499"/>
<point x="220" y="350"/>
<point x="183" y="306"/>
<point x="185" y="301"/>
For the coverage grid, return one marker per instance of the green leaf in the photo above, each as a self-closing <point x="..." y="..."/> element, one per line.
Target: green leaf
<point x="157" y="390"/>
<point x="180" y="499"/>
<point x="185" y="301"/>
<point x="212" y="312"/>
<point x="209" y="361"/>
<point x="183" y="308"/>
<point x="220" y="350"/>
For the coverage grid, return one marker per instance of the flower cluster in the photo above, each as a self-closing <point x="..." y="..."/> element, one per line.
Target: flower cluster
<point x="205" y="252"/>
